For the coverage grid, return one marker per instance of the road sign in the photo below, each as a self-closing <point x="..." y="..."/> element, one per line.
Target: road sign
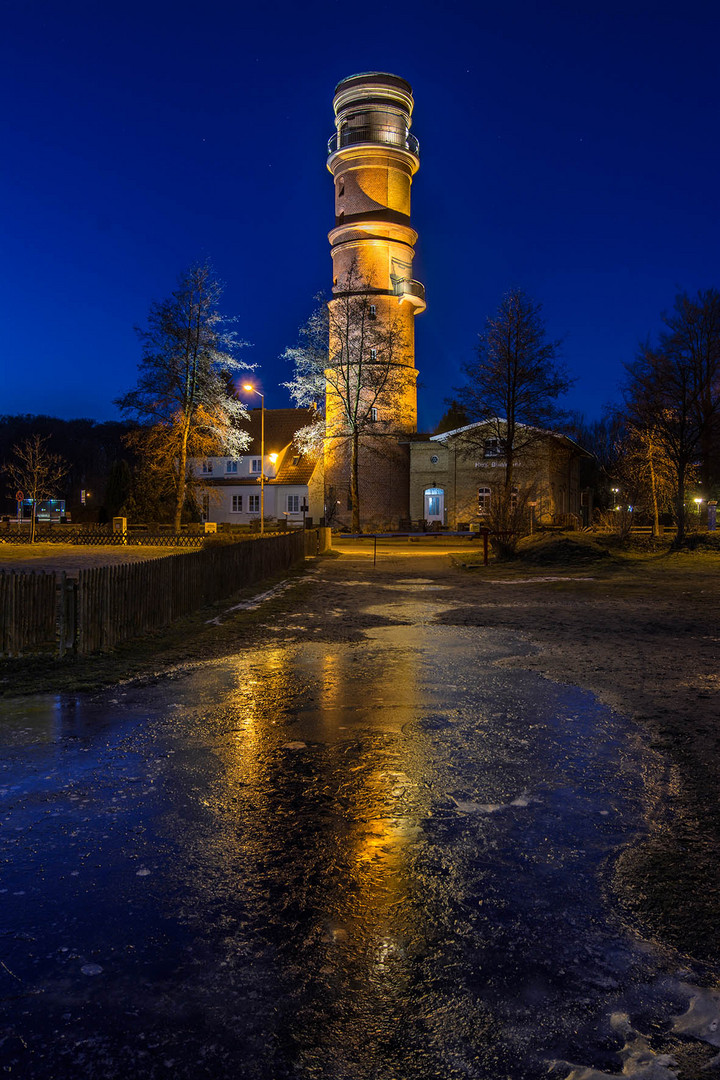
<point x="19" y="496"/>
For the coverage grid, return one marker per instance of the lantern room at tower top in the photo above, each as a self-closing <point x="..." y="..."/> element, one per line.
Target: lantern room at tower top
<point x="373" y="157"/>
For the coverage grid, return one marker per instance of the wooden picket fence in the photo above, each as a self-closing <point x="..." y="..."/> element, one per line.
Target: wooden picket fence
<point x="103" y="606"/>
<point x="28" y="610"/>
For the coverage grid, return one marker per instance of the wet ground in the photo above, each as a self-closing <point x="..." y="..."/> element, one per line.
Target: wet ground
<point x="379" y="859"/>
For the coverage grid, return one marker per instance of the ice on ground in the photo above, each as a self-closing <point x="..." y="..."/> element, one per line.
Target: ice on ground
<point x="467" y="806"/>
<point x="639" y="1059"/>
<point x="143" y="872"/>
<point x="91" y="969"/>
<point x="702" y="1019"/>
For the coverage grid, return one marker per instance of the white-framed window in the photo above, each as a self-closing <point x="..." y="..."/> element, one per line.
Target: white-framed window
<point x="231" y="466"/>
<point x="255" y="465"/>
<point x="293" y="504"/>
<point x="373" y="354"/>
<point x="373" y="311"/>
<point x="207" y="466"/>
<point x="237" y="504"/>
<point x="373" y="414"/>
<point x="492" y="448"/>
<point x="254" y="504"/>
<point x="484" y="495"/>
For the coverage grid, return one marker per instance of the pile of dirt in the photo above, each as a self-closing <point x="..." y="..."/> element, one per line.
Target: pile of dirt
<point x="560" y="550"/>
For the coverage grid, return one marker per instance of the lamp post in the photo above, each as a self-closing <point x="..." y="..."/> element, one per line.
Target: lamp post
<point x="249" y="387"/>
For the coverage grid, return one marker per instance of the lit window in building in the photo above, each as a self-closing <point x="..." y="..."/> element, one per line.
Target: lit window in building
<point x="483" y="500"/>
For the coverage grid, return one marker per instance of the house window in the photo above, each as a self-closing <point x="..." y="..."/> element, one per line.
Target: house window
<point x="483" y="500"/>
<point x="237" y="504"/>
<point x="373" y="311"/>
<point x="293" y="504"/>
<point x="254" y="504"/>
<point x="296" y="460"/>
<point x="207" y="467"/>
<point x="492" y="448"/>
<point x="373" y="414"/>
<point x="373" y="354"/>
<point x="255" y="464"/>
<point x="231" y="467"/>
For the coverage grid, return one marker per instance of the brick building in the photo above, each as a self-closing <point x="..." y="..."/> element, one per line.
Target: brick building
<point x="454" y="477"/>
<point x="373" y="158"/>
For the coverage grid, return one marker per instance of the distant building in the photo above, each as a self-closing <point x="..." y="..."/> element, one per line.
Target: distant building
<point x="230" y="487"/>
<point x="455" y="476"/>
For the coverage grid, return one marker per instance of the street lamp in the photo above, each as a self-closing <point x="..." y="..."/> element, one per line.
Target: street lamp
<point x="250" y="388"/>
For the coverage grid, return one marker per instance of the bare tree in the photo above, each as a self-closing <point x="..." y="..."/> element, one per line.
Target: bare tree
<point x="183" y="397"/>
<point x="355" y="363"/>
<point x="515" y="381"/>
<point x="36" y="472"/>
<point x="673" y="390"/>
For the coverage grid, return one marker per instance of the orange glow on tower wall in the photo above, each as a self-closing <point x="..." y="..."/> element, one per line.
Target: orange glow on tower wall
<point x="373" y="158"/>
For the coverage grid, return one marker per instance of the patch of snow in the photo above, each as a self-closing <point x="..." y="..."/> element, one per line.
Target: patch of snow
<point x="91" y="969"/>
<point x="295" y="746"/>
<point x="702" y="1019"/>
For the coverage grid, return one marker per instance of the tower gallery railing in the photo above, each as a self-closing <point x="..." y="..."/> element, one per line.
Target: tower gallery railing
<point x="407" y="287"/>
<point x="384" y="136"/>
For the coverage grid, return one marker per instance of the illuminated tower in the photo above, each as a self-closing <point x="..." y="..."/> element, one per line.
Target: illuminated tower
<point x="373" y="158"/>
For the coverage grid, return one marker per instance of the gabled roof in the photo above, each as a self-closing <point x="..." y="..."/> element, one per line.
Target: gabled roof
<point x="280" y="428"/>
<point x="478" y="425"/>
<point x="296" y="468"/>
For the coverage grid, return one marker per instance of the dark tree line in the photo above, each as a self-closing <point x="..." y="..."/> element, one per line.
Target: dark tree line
<point x="658" y="447"/>
<point x="92" y="450"/>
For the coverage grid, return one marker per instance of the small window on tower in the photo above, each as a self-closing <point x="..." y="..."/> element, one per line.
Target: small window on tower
<point x="373" y="414"/>
<point x="341" y="186"/>
<point x="373" y="311"/>
<point x="373" y="354"/>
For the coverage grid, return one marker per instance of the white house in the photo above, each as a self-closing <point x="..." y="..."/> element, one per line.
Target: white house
<point x="230" y="488"/>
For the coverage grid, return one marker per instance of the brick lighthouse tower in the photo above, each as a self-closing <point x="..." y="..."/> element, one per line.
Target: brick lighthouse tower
<point x="372" y="158"/>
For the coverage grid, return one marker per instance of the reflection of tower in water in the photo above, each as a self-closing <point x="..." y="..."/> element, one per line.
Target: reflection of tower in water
<point x="373" y="158"/>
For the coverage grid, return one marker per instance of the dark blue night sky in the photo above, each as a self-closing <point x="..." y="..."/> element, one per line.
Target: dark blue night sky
<point x="570" y="148"/>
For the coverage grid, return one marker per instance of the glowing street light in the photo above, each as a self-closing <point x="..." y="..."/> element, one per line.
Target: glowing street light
<point x="251" y="389"/>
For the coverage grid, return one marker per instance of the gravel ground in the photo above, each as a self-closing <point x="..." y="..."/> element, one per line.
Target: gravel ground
<point x="640" y="631"/>
<point x="643" y="634"/>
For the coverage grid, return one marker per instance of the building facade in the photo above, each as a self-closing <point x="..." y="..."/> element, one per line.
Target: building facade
<point x="230" y="489"/>
<point x="372" y="158"/>
<point x="456" y="476"/>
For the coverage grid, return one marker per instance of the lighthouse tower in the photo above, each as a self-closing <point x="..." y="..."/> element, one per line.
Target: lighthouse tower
<point x="373" y="158"/>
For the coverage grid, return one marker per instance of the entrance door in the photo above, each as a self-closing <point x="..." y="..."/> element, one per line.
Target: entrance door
<point x="435" y="505"/>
